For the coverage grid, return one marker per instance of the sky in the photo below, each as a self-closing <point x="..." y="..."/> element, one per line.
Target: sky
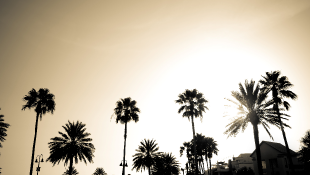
<point x="90" y="54"/>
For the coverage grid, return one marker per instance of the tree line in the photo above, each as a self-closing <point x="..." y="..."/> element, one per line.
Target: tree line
<point x="251" y="101"/>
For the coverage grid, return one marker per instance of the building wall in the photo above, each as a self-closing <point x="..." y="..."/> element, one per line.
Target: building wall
<point x="276" y="163"/>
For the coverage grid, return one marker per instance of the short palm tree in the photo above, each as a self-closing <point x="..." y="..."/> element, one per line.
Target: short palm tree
<point x="188" y="146"/>
<point x="74" y="144"/>
<point x="126" y="111"/>
<point x="211" y="148"/>
<point x="99" y="171"/>
<point x="279" y="87"/>
<point x="74" y="172"/>
<point x="251" y="107"/>
<point x="304" y="151"/>
<point x="145" y="156"/>
<point x="166" y="164"/>
<point x="193" y="104"/>
<point x="43" y="102"/>
<point x="3" y="127"/>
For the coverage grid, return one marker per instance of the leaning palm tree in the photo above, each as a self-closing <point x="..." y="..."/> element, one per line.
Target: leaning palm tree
<point x="74" y="171"/>
<point x="99" y="171"/>
<point x="72" y="145"/>
<point x="145" y="156"/>
<point x="193" y="104"/>
<point x="43" y="102"/>
<point x="279" y="87"/>
<point x="126" y="111"/>
<point x="3" y="127"/>
<point x="251" y="107"/>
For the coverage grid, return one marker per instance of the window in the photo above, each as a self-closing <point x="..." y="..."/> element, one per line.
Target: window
<point x="264" y="164"/>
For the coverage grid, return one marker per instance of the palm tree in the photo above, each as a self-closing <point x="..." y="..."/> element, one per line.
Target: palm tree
<point x="251" y="107"/>
<point x="99" y="171"/>
<point x="279" y="86"/>
<point x="193" y="104"/>
<point x="74" y="144"/>
<point x="188" y="146"/>
<point x="211" y="148"/>
<point x="166" y="164"/>
<point x="43" y="102"/>
<point x="3" y="127"/>
<point x="74" y="172"/>
<point x="126" y="111"/>
<point x="304" y="152"/>
<point x="145" y="158"/>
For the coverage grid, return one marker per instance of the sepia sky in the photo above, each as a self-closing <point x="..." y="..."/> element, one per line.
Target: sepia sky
<point x="89" y="54"/>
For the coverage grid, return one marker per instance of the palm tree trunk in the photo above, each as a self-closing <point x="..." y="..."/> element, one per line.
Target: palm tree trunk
<point x="149" y="168"/>
<point x="210" y="165"/>
<point x="125" y="135"/>
<point x="257" y="150"/>
<point x="207" y="162"/>
<point x="291" y="166"/>
<point x="34" y="143"/>
<point x="71" y="165"/>
<point x="203" y="165"/>
<point x="195" y="158"/>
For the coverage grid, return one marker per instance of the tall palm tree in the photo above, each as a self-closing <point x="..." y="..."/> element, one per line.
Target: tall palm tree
<point x="99" y="171"/>
<point x="74" y="144"/>
<point x="193" y="104"/>
<point x="166" y="164"/>
<point x="126" y="111"/>
<point x="3" y="127"/>
<point x="74" y="171"/>
<point x="251" y="107"/>
<point x="279" y="87"/>
<point x="145" y="158"/>
<point x="43" y="102"/>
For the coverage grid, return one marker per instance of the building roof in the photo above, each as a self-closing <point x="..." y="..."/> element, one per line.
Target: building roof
<point x="277" y="146"/>
<point x="245" y="155"/>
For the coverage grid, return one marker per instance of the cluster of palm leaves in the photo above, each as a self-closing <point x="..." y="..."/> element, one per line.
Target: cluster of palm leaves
<point x="3" y="129"/>
<point x="73" y="145"/>
<point x="304" y="152"/>
<point x="205" y="147"/>
<point x="157" y="163"/>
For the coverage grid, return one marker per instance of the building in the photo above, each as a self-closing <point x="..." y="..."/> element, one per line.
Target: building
<point x="243" y="160"/>
<point x="274" y="159"/>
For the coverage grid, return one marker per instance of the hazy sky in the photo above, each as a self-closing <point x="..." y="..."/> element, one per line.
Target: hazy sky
<point x="89" y="54"/>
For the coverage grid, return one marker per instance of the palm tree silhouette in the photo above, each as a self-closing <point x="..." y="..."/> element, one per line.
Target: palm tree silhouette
<point x="3" y="127"/>
<point x="126" y="111"/>
<point x="193" y="104"/>
<point x="252" y="109"/>
<point x="99" y="171"/>
<point x="211" y="148"/>
<point x="145" y="158"/>
<point x="166" y="164"/>
<point x="188" y="146"/>
<point x="74" y="171"/>
<point x="304" y="151"/>
<point x="279" y="86"/>
<point x="73" y="144"/>
<point x="43" y="102"/>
